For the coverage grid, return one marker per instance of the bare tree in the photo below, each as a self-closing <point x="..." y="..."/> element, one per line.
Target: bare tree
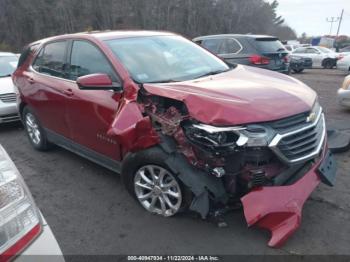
<point x="26" y="21"/>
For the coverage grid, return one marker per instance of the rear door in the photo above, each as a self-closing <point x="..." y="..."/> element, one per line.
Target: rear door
<point x="91" y="113"/>
<point x="46" y="82"/>
<point x="273" y="49"/>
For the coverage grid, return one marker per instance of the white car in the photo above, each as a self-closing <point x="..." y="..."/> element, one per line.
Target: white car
<point x="344" y="63"/>
<point x="321" y="56"/>
<point x="8" y="107"/>
<point x="24" y="232"/>
<point x="344" y="93"/>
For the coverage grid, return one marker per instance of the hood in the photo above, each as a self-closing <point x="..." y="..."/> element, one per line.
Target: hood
<point x="6" y="85"/>
<point x="240" y="96"/>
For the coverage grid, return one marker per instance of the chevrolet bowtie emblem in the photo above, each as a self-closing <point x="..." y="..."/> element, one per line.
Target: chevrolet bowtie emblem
<point x="311" y="118"/>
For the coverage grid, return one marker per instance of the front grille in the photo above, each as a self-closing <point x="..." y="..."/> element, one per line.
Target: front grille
<point x="9" y="118"/>
<point x="8" y="98"/>
<point x="295" y="122"/>
<point x="290" y="123"/>
<point x="303" y="143"/>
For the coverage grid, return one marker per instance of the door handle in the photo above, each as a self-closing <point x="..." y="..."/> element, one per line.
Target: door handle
<point x="68" y="92"/>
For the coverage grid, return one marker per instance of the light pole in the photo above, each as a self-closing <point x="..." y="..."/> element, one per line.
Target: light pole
<point x="332" y="20"/>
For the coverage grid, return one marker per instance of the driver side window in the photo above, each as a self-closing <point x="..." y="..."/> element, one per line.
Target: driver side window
<point x="87" y="59"/>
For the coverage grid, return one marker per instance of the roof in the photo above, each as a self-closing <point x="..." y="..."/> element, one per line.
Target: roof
<point x="105" y="35"/>
<point x="233" y="35"/>
<point x="108" y="35"/>
<point x="7" y="54"/>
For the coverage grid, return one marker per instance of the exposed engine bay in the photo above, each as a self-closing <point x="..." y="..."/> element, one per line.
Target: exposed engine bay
<point x="239" y="156"/>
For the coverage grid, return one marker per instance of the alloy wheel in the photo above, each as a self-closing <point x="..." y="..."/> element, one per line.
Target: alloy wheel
<point x="33" y="128"/>
<point x="157" y="190"/>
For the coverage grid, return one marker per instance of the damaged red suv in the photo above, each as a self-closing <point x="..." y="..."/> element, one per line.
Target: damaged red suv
<point x="186" y="131"/>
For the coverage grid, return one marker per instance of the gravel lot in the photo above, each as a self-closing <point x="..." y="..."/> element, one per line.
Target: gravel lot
<point x="90" y="212"/>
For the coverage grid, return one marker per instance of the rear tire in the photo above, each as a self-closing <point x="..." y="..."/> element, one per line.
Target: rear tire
<point x="35" y="132"/>
<point x="298" y="70"/>
<point x="149" y="180"/>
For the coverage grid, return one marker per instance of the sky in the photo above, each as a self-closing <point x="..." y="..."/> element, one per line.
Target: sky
<point x="310" y="16"/>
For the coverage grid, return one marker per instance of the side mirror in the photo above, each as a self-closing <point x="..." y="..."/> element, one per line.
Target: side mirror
<point x="98" y="82"/>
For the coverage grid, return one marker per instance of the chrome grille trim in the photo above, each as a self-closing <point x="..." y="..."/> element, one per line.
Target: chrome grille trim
<point x="277" y="139"/>
<point x="8" y="98"/>
<point x="9" y="118"/>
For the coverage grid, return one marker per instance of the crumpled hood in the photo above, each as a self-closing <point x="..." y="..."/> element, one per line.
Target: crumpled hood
<point x="240" y="96"/>
<point x="6" y="85"/>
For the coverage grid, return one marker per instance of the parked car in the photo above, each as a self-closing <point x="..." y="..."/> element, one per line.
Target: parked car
<point x="261" y="51"/>
<point x="8" y="108"/>
<point x="298" y="63"/>
<point x="23" y="230"/>
<point x="345" y="49"/>
<point x="184" y="129"/>
<point x="321" y="56"/>
<point x="344" y="93"/>
<point x="344" y="64"/>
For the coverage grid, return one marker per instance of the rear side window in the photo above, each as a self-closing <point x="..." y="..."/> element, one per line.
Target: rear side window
<point x="269" y="45"/>
<point x="52" y="59"/>
<point x="87" y="59"/>
<point x="311" y="51"/>
<point x="300" y="51"/>
<point x="230" y="46"/>
<point x="213" y="45"/>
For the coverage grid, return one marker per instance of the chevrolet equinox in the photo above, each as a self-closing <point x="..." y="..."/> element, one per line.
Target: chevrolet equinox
<point x="185" y="130"/>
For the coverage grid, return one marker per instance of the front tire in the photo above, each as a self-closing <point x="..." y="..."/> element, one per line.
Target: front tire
<point x="34" y="130"/>
<point x="328" y="64"/>
<point x="149" y="180"/>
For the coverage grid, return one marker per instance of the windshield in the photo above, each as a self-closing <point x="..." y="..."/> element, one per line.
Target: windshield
<point x="158" y="59"/>
<point x="324" y="50"/>
<point x="269" y="45"/>
<point x="8" y="65"/>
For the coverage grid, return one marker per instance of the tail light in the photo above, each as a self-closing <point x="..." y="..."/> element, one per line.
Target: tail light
<point x="340" y="57"/>
<point x="286" y="58"/>
<point x="259" y="60"/>
<point x="20" y="220"/>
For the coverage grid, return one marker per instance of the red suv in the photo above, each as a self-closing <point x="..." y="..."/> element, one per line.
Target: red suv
<point x="185" y="130"/>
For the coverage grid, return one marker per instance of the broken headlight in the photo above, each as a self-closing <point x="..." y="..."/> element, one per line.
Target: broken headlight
<point x="212" y="136"/>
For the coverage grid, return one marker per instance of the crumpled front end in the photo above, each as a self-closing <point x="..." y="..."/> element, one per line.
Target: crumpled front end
<point x="269" y="167"/>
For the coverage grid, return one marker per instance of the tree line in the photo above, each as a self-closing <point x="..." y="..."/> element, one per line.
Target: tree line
<point x="25" y="21"/>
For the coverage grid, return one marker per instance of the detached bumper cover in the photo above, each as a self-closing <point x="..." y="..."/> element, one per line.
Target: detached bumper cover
<point x="279" y="209"/>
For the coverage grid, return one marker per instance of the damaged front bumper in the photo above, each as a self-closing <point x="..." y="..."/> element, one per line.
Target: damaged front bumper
<point x="279" y="208"/>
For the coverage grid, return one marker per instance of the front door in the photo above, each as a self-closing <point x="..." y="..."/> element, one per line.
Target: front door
<point x="91" y="113"/>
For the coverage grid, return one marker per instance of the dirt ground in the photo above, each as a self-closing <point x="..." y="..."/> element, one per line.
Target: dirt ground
<point x="90" y="212"/>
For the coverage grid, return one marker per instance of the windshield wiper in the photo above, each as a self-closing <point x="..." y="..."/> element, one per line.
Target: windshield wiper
<point x="213" y="73"/>
<point x="162" y="81"/>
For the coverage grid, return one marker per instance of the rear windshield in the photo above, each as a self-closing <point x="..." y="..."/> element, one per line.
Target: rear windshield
<point x="269" y="45"/>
